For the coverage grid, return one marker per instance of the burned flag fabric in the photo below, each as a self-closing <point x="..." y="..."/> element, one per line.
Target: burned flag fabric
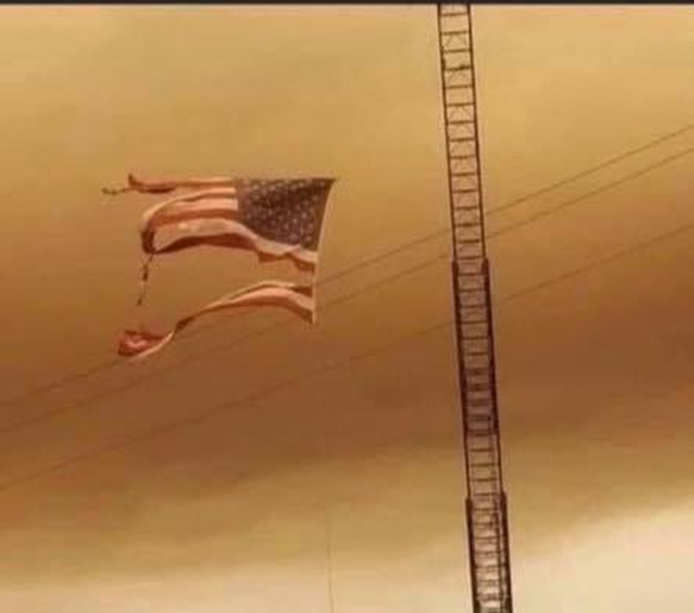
<point x="291" y="296"/>
<point x="278" y="219"/>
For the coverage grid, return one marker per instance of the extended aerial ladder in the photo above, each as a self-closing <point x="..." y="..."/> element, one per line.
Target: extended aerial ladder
<point x="486" y="511"/>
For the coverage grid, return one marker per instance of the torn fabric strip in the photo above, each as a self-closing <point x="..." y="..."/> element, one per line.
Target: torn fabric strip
<point x="298" y="299"/>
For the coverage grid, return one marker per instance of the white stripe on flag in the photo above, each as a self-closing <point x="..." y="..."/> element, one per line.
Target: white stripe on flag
<point x="197" y="201"/>
<point x="237" y="234"/>
<point x="294" y="297"/>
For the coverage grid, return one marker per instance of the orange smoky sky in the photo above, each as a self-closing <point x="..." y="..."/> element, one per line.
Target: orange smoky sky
<point x="230" y="513"/>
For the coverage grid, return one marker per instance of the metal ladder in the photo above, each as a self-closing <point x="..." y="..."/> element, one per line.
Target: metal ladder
<point x="486" y="500"/>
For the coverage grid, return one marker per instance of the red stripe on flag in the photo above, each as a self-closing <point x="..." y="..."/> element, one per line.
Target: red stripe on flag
<point x="296" y="298"/>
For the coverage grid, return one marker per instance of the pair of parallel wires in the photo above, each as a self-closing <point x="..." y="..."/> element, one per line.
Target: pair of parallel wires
<point x="357" y="358"/>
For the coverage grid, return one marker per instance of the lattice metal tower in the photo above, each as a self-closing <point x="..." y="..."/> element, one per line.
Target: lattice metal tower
<point x="486" y="500"/>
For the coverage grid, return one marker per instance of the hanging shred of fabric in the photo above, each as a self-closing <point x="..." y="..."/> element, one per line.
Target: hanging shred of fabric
<point x="144" y="280"/>
<point x="278" y="219"/>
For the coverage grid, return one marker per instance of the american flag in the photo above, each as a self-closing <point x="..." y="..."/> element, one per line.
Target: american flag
<point x="275" y="218"/>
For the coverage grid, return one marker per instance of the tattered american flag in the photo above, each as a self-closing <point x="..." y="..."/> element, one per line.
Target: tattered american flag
<point x="276" y="218"/>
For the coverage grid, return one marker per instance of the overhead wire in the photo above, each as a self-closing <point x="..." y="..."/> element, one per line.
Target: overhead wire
<point x="106" y="365"/>
<point x="54" y="412"/>
<point x="330" y="365"/>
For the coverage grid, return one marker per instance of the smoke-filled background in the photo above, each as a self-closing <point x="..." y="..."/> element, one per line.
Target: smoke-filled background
<point x="232" y="513"/>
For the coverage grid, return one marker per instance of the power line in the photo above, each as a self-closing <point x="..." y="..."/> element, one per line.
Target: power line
<point x="594" y="192"/>
<point x="55" y="412"/>
<point x="111" y="363"/>
<point x="210" y="413"/>
<point x="593" y="169"/>
<point x="328" y="366"/>
<point x="51" y="414"/>
<point x="603" y="261"/>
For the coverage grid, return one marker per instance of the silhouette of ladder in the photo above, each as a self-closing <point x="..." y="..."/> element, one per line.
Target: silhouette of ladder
<point x="486" y="511"/>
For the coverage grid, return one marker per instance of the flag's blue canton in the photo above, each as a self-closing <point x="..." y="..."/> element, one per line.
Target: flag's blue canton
<point x="288" y="211"/>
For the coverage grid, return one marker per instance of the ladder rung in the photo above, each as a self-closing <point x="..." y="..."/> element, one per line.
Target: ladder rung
<point x="457" y="49"/>
<point x="479" y="431"/>
<point x="477" y="371"/>
<point x="490" y="556"/>
<point x="479" y="434"/>
<point x="462" y="55"/>
<point x="491" y="497"/>
<point x="480" y="418"/>
<point x="471" y="190"/>
<point x="482" y="410"/>
<point x="473" y="322"/>
<point x="487" y="539"/>
<point x="487" y="398"/>
<point x="467" y="208"/>
<point x="491" y="523"/>
<point x="482" y="450"/>
<point x="471" y="414"/>
<point x="480" y="386"/>
<point x="463" y="224"/>
<point x="489" y="553"/>
<point x="488" y="516"/>
<point x="479" y="422"/>
<point x="462" y="66"/>
<point x="486" y="401"/>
